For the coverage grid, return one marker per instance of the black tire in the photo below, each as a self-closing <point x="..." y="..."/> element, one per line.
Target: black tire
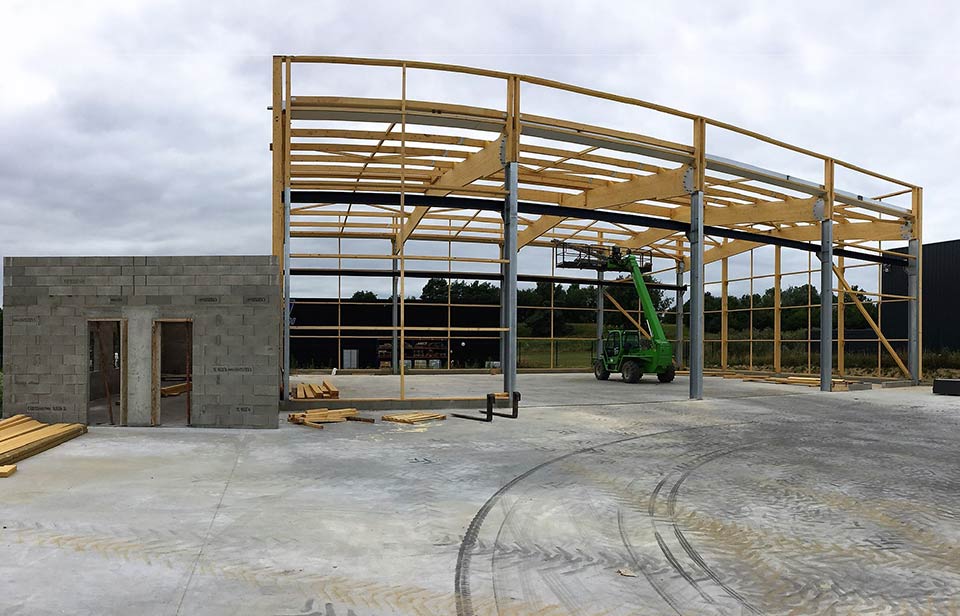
<point x="600" y="371"/>
<point x="667" y="375"/>
<point x="631" y="371"/>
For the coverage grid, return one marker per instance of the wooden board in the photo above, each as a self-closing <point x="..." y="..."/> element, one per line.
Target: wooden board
<point x="6" y="471"/>
<point x="330" y="391"/>
<point x="323" y="416"/>
<point x="21" y="428"/>
<point x="9" y="421"/>
<point x="412" y="418"/>
<point x="31" y="443"/>
<point x="175" y="390"/>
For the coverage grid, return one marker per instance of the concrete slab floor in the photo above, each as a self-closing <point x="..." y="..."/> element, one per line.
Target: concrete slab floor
<point x="768" y="500"/>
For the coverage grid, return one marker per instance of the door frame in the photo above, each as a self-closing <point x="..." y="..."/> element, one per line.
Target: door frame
<point x="123" y="365"/>
<point x="155" y="336"/>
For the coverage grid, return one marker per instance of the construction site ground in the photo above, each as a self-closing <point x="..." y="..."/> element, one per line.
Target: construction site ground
<point x="602" y="498"/>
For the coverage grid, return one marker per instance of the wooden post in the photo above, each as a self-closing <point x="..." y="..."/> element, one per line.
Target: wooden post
<point x="724" y="314"/>
<point x="278" y="148"/>
<point x="776" y="309"/>
<point x="841" y="368"/>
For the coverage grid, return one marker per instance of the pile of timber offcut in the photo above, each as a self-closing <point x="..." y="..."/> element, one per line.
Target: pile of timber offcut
<point x="412" y="418"/>
<point x="22" y="437"/>
<point x="316" y="417"/>
<point x="309" y="391"/>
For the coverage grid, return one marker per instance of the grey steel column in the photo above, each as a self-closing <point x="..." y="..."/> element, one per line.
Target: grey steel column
<point x="599" y="313"/>
<point x="286" y="293"/>
<point x="913" y="311"/>
<point x="503" y="312"/>
<point x="509" y="284"/>
<point x="395" y="349"/>
<point x="696" y="295"/>
<point x="678" y="351"/>
<point x="826" y="305"/>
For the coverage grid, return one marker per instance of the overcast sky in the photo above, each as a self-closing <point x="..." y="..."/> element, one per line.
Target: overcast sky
<point x="141" y="127"/>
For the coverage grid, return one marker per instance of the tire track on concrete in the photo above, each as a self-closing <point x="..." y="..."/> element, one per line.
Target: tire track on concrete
<point x="462" y="595"/>
<point x="684" y="543"/>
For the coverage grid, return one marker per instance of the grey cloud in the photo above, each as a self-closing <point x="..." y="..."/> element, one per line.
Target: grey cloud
<point x="154" y="139"/>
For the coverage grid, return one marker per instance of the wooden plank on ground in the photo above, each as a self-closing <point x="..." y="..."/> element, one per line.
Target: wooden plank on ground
<point x="7" y="470"/>
<point x="412" y="418"/>
<point x="32" y="443"/>
<point x="301" y="391"/>
<point x="20" y="428"/>
<point x="331" y="391"/>
<point x="175" y="390"/>
<point x="317" y="390"/>
<point x="9" y="421"/>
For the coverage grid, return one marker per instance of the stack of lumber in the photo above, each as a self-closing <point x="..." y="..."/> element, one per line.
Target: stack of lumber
<point x="22" y="437"/>
<point x="807" y="381"/>
<point x="309" y="391"/>
<point x="316" y="417"/>
<point x="412" y="418"/>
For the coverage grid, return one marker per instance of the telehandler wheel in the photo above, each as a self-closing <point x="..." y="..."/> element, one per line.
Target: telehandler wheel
<point x="667" y="375"/>
<point x="600" y="371"/>
<point x="631" y="371"/>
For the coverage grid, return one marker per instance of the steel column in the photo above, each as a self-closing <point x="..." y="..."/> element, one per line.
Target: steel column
<point x="696" y="295"/>
<point x="509" y="284"/>
<point x="600" y="307"/>
<point x="826" y="305"/>
<point x="913" y="312"/>
<point x="286" y="293"/>
<point x="678" y="351"/>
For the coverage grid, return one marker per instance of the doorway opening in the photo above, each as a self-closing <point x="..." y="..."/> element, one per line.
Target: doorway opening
<point x="106" y="372"/>
<point x="172" y="372"/>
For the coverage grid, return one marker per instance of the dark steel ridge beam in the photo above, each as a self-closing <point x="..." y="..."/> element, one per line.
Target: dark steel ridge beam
<point x="385" y="273"/>
<point x="544" y="209"/>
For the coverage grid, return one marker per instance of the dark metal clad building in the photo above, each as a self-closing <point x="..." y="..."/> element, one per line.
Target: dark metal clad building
<point x="941" y="297"/>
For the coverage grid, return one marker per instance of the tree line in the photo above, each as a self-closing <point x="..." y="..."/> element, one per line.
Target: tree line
<point x="793" y="301"/>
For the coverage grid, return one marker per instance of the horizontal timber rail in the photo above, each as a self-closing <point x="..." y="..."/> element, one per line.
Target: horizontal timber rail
<point x="375" y="273"/>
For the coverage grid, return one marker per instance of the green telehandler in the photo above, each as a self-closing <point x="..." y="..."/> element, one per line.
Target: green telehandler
<point x="632" y="353"/>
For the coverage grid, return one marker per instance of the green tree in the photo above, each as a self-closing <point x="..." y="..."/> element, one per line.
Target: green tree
<point x="364" y="296"/>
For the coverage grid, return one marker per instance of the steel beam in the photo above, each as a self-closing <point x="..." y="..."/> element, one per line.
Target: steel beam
<point x="826" y="305"/>
<point x="543" y="209"/>
<point x="913" y="311"/>
<point x="678" y="351"/>
<point x="509" y="284"/>
<point x="696" y="295"/>
<point x="286" y="293"/>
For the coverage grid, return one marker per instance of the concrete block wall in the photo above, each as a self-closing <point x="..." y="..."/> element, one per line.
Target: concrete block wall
<point x="233" y="301"/>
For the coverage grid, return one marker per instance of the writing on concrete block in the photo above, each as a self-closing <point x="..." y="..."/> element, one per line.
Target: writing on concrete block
<point x="231" y="369"/>
<point x="208" y="299"/>
<point x="256" y="299"/>
<point x="71" y="280"/>
<point x="30" y="320"/>
<point x="33" y="408"/>
<point x="244" y="409"/>
<point x="120" y="299"/>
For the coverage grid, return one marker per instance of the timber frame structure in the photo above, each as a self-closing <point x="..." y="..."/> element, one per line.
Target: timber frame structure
<point x="402" y="170"/>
